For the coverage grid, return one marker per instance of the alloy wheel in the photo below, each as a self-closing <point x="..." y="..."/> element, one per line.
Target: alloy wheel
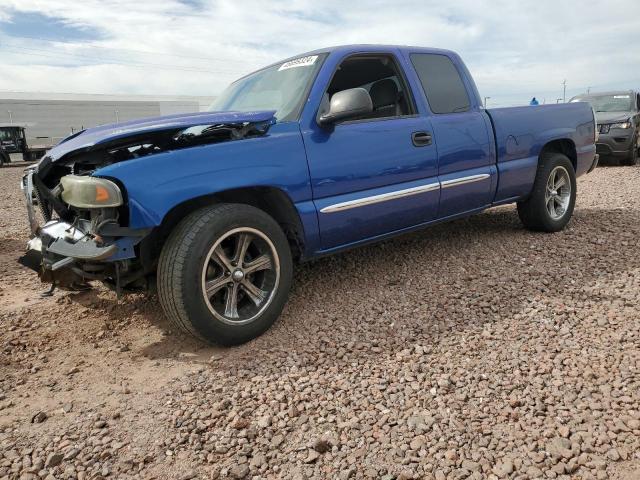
<point x="240" y="275"/>
<point x="558" y="193"/>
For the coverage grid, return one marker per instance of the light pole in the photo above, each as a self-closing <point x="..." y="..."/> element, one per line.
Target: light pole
<point x="10" y="117"/>
<point x="117" y="117"/>
<point x="558" y="100"/>
<point x="485" y="101"/>
<point x="564" y="90"/>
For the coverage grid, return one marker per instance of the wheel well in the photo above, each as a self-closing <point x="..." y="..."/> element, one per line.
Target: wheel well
<point x="272" y="201"/>
<point x="564" y="146"/>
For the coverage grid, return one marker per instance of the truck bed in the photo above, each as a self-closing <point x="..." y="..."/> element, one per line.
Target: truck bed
<point x="520" y="134"/>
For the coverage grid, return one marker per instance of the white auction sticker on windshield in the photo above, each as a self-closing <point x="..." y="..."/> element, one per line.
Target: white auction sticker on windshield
<point x="299" y="62"/>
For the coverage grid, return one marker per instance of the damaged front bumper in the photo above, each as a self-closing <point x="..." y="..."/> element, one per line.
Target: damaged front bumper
<point x="68" y="254"/>
<point x="58" y="238"/>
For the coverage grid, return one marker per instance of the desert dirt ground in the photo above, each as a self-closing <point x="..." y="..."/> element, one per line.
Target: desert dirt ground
<point x="474" y="349"/>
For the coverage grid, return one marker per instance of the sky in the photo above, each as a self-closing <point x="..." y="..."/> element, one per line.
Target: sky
<point x="514" y="49"/>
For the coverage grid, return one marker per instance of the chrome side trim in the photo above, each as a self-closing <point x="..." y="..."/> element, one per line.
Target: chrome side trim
<point x="383" y="197"/>
<point x="464" y="180"/>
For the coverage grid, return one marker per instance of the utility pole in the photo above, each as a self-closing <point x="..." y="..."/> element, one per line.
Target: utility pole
<point x="564" y="90"/>
<point x="10" y="117"/>
<point x="117" y="116"/>
<point x="485" y="101"/>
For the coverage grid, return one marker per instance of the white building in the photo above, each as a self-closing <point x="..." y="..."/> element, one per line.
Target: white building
<point x="50" y="117"/>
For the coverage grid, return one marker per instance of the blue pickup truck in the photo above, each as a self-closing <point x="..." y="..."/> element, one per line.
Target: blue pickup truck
<point x="310" y="156"/>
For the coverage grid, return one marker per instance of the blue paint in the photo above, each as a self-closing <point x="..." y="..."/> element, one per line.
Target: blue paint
<point x="173" y="177"/>
<point x="361" y="159"/>
<point x="522" y="132"/>
<point x="319" y="167"/>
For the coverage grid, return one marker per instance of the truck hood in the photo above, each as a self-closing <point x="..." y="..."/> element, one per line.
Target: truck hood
<point x="612" y="117"/>
<point x="116" y="133"/>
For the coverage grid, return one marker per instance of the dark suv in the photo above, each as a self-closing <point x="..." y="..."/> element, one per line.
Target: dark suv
<point x="618" y="117"/>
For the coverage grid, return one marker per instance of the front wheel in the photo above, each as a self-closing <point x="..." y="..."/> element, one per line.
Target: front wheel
<point x="550" y="205"/>
<point x="632" y="159"/>
<point x="224" y="274"/>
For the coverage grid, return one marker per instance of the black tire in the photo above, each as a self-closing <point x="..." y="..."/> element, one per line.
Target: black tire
<point x="182" y="274"/>
<point x="632" y="159"/>
<point x="534" y="212"/>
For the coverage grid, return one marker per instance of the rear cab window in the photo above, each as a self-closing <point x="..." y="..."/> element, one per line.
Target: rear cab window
<point x="441" y="83"/>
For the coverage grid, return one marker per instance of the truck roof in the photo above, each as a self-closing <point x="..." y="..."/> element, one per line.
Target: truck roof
<point x="357" y="48"/>
<point x="366" y="47"/>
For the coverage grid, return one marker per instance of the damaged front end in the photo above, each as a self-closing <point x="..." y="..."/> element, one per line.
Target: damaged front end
<point x="80" y="240"/>
<point x="79" y="220"/>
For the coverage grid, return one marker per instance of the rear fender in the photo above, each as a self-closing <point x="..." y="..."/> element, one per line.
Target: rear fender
<point x="523" y="132"/>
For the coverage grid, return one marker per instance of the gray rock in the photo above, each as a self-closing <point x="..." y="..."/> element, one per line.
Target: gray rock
<point x="53" y="459"/>
<point x="39" y="417"/>
<point x="312" y="456"/>
<point x="239" y="471"/>
<point x="504" y="468"/>
<point x="560" y="447"/>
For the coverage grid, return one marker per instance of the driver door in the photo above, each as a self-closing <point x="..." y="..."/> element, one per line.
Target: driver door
<point x="376" y="174"/>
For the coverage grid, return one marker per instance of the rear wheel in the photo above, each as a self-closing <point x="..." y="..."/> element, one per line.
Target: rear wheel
<point x="550" y="205"/>
<point x="224" y="274"/>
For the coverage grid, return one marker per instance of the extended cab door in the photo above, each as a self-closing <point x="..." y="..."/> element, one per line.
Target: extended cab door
<point x="376" y="174"/>
<point x="462" y="133"/>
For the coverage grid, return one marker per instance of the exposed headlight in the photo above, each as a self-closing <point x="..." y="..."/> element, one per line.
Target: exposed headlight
<point x="90" y="192"/>
<point x="626" y="124"/>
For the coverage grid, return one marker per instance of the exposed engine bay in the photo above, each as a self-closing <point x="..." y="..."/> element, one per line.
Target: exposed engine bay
<point x="84" y="233"/>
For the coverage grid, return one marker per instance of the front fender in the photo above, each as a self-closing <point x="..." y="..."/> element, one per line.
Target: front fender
<point x="156" y="183"/>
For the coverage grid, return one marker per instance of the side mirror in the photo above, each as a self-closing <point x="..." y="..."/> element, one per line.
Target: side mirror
<point x="350" y="103"/>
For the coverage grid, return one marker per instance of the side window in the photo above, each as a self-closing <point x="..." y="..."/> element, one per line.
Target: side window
<point x="379" y="75"/>
<point x="441" y="82"/>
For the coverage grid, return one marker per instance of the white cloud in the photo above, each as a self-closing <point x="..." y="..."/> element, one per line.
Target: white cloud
<point x="514" y="49"/>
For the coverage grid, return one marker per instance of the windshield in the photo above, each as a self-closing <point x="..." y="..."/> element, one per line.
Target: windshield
<point x="608" y="103"/>
<point x="281" y="87"/>
<point x="8" y="135"/>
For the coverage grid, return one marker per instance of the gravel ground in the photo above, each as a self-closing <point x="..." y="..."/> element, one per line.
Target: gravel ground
<point x="474" y="350"/>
